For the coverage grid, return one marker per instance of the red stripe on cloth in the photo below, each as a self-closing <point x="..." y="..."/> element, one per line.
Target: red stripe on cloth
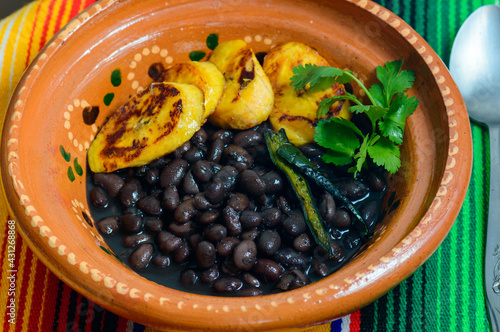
<point x="63" y="309"/>
<point x="28" y="261"/>
<point x="6" y="244"/>
<point x="122" y="324"/>
<point x="50" y="296"/>
<point x="75" y="8"/>
<point x="90" y="317"/>
<point x="355" y="325"/>
<point x="36" y="305"/>
<point x="76" y="320"/>
<point x="60" y="15"/>
<point x="43" y="37"/>
<point x="31" y="36"/>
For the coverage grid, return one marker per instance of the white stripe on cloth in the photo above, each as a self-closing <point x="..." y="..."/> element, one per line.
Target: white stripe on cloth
<point x="5" y="39"/>
<point x="24" y="12"/>
<point x="346" y="323"/>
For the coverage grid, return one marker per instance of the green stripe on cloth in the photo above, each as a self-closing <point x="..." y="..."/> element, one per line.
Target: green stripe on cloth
<point x="447" y="292"/>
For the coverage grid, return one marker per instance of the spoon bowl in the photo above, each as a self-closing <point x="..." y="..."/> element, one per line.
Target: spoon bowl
<point x="475" y="66"/>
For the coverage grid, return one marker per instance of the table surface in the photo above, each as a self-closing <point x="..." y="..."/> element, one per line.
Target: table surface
<point x="444" y="294"/>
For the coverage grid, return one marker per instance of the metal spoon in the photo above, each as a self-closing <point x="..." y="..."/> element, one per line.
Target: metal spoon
<point x="475" y="66"/>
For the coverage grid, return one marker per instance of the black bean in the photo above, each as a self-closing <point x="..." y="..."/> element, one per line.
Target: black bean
<point x="341" y="219"/>
<point x="338" y="254"/>
<point x="179" y="152"/>
<point x="160" y="260"/>
<point x="141" y="170"/>
<point x="200" y="137"/>
<point x="130" y="193"/>
<point x="205" y="254"/>
<point x="292" y="279"/>
<point x="195" y="239"/>
<point x="185" y="211"/>
<point x="151" y="205"/>
<point x="188" y="277"/>
<point x="271" y="217"/>
<point x="203" y="170"/>
<point x="236" y="156"/>
<point x="215" y="151"/>
<point x="152" y="176"/>
<point x="232" y="220"/>
<point x="238" y="201"/>
<point x="352" y="189"/>
<point x="189" y="184"/>
<point x="248" y="138"/>
<point x="267" y="270"/>
<point x="295" y="224"/>
<point x="249" y="279"/>
<point x="182" y="254"/>
<point x="352" y="240"/>
<point x="247" y="292"/>
<point x="250" y="234"/>
<point x="153" y="225"/>
<point x="131" y="223"/>
<point x="215" y="192"/>
<point x="215" y="232"/>
<point x="259" y="153"/>
<point x="108" y="225"/>
<point x="160" y="162"/>
<point x="155" y="71"/>
<point x="110" y="182"/>
<point x="209" y="216"/>
<point x="226" y="246"/>
<point x="209" y="275"/>
<point x="311" y="150"/>
<point x="318" y="267"/>
<point x="376" y="182"/>
<point x="98" y="197"/>
<point x="327" y="208"/>
<point x="227" y="285"/>
<point x="141" y="256"/>
<point x="268" y="242"/>
<point x="250" y="182"/>
<point x="132" y="241"/>
<point x="245" y="254"/>
<point x="250" y="219"/>
<point x="181" y="229"/>
<point x="168" y="242"/>
<point x="227" y="176"/>
<point x="273" y="182"/>
<point x="173" y="173"/>
<point x="369" y="213"/>
<point x="302" y="243"/>
<point x="290" y="258"/>
<point x="171" y="198"/>
<point x="193" y="155"/>
<point x="222" y="134"/>
<point x="283" y="205"/>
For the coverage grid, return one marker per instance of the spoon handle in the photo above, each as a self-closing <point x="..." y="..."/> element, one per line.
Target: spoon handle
<point x="492" y="254"/>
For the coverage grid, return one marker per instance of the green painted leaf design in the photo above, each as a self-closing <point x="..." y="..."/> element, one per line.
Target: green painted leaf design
<point x="71" y="175"/>
<point x="78" y="168"/>
<point x="108" y="98"/>
<point x="197" y="55"/>
<point x="66" y="155"/>
<point x="212" y="41"/>
<point x="116" y="77"/>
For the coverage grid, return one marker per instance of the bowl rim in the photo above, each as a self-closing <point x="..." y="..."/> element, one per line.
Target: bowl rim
<point x="434" y="233"/>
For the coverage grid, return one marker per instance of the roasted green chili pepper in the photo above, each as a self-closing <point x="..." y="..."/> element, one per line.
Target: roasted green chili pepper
<point x="295" y="157"/>
<point x="301" y="188"/>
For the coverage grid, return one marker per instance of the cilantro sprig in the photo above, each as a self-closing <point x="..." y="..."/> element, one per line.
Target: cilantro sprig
<point x="346" y="144"/>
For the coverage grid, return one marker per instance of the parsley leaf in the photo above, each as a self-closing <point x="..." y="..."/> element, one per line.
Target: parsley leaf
<point x="325" y="104"/>
<point x="394" y="80"/>
<point x="317" y="78"/>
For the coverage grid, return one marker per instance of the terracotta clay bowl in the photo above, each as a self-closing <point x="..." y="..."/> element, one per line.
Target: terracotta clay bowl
<point x="103" y="55"/>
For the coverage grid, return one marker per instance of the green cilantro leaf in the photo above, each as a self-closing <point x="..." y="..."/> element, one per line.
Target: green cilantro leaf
<point x="325" y="104"/>
<point x="385" y="153"/>
<point x="394" y="80"/>
<point x="392" y="124"/>
<point x="338" y="135"/>
<point x="317" y="78"/>
<point x="337" y="158"/>
<point x="377" y="93"/>
<point x="360" y="157"/>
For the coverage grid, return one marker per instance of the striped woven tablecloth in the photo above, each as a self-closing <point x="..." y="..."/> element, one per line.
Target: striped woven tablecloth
<point x="445" y="294"/>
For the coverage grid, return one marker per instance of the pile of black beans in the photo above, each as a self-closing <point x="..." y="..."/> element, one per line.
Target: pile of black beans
<point x="217" y="217"/>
